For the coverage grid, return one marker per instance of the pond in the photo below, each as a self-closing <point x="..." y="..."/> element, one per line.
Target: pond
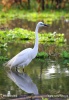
<point x="48" y="75"/>
<point x="44" y="75"/>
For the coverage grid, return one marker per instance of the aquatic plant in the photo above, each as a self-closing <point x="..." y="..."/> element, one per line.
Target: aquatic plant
<point x="65" y="54"/>
<point x="42" y="55"/>
<point x="18" y="35"/>
<point x="3" y="58"/>
<point x="44" y="98"/>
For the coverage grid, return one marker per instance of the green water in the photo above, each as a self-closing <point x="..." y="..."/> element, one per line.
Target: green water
<point x="50" y="77"/>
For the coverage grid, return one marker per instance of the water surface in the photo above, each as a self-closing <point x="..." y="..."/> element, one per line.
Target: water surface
<point x="48" y="75"/>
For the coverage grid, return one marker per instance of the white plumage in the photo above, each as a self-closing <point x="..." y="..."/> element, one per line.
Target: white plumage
<point x="23" y="58"/>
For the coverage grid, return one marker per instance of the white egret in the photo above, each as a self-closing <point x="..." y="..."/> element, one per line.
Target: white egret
<point x="23" y="58"/>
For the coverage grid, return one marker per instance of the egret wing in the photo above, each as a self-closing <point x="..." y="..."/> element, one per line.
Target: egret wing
<point x="19" y="58"/>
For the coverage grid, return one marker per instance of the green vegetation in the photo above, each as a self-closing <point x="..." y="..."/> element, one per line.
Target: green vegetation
<point x="47" y="16"/>
<point x="44" y="98"/>
<point x="19" y="35"/>
<point x="42" y="55"/>
<point x="2" y="58"/>
<point x="65" y="54"/>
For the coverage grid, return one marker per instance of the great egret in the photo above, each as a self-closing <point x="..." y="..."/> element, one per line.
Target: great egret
<point x="23" y="58"/>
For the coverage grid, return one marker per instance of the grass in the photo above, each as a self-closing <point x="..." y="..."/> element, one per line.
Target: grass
<point x="47" y="16"/>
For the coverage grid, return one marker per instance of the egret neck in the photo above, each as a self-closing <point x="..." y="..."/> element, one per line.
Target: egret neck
<point x="36" y="39"/>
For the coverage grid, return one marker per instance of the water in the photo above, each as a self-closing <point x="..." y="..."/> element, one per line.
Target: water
<point x="47" y="76"/>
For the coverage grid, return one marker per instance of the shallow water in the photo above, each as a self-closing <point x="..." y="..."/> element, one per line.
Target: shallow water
<point x="48" y="76"/>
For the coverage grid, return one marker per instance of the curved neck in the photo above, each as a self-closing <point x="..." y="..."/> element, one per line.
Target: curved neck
<point x="36" y="39"/>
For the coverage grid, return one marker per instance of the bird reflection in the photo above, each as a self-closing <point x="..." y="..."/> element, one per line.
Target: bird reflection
<point x="23" y="81"/>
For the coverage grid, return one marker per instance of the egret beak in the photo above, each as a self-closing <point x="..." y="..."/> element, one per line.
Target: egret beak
<point x="46" y="25"/>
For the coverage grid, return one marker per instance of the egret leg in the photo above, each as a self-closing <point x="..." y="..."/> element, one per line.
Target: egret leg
<point x="23" y="69"/>
<point x="16" y="69"/>
<point x="31" y="96"/>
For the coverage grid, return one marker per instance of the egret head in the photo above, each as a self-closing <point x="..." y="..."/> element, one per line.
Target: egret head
<point x="41" y="24"/>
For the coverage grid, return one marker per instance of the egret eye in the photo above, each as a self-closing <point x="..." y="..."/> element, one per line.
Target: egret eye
<point x="42" y="24"/>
